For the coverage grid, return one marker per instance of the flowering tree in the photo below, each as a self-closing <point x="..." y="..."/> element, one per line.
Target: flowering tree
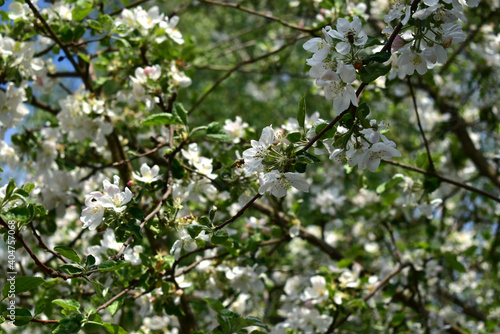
<point x="174" y="168"/>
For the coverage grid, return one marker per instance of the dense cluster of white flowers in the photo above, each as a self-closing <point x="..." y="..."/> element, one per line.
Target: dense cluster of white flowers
<point x="278" y="259"/>
<point x="112" y="199"/>
<point x="270" y="161"/>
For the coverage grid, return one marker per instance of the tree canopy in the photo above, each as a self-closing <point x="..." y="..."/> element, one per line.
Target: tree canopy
<point x="277" y="167"/>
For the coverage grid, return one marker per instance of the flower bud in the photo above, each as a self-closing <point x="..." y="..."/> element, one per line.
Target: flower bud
<point x="398" y="43"/>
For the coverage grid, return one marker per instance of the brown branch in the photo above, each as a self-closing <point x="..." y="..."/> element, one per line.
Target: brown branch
<point x="42" y="244"/>
<point x="238" y="214"/>
<point x="459" y="127"/>
<point x="63" y="46"/>
<point x="109" y="302"/>
<point x="49" y="271"/>
<point x="42" y="105"/>
<point x="45" y="322"/>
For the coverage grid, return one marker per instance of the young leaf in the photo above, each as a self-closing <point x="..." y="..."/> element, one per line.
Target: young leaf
<point x="161" y="119"/>
<point x="219" y="237"/>
<point x="71" y="268"/>
<point x="180" y="113"/>
<point x="111" y="265"/>
<point x="22" y="284"/>
<point x="216" y="132"/>
<point x="68" y="253"/>
<point x="372" y="71"/>
<point x="68" y="304"/>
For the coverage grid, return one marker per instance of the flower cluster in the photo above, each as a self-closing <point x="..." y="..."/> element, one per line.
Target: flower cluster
<point x="365" y="148"/>
<point x="271" y="161"/>
<point x="147" y="21"/>
<point x="96" y="203"/>
<point x="436" y="29"/>
<point x="333" y="59"/>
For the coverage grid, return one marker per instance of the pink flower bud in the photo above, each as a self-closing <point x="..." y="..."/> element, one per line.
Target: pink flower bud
<point x="398" y="43"/>
<point x="130" y="183"/>
<point x="149" y="70"/>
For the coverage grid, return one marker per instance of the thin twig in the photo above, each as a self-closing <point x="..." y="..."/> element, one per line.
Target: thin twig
<point x="63" y="46"/>
<point x="379" y="286"/>
<point x="444" y="179"/>
<point x="238" y="214"/>
<point x="414" y="99"/>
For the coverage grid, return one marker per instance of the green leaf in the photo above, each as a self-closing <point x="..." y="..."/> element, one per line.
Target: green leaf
<point x="307" y="157"/>
<point x="177" y="170"/>
<point x="22" y="284"/>
<point x="194" y="230"/>
<point x="71" y="268"/>
<point x="114" y="329"/>
<point x="301" y="114"/>
<point x="300" y="167"/>
<point x="84" y="57"/>
<point x="452" y="260"/>
<point x="96" y="25"/>
<point x="161" y="119"/>
<point x="19" y="213"/>
<point x="219" y="237"/>
<point x="111" y="265"/>
<point x="344" y="263"/>
<point x="379" y="57"/>
<point x="372" y="41"/>
<point x="294" y="137"/>
<point x="214" y="304"/>
<point x="98" y="287"/>
<point x="23" y="317"/>
<point x="21" y="192"/>
<point x="93" y="326"/>
<point x="115" y="306"/>
<point x="216" y="132"/>
<point x="431" y="184"/>
<point x="254" y="321"/>
<point x="90" y="261"/>
<point x="69" y="325"/>
<point x="40" y="306"/>
<point x="397" y="319"/>
<point x="362" y="111"/>
<point x="81" y="10"/>
<point x="68" y="253"/>
<point x="68" y="304"/>
<point x="10" y="189"/>
<point x="180" y="113"/>
<point x="136" y="213"/>
<point x="28" y="187"/>
<point x="211" y="214"/>
<point x="372" y="71"/>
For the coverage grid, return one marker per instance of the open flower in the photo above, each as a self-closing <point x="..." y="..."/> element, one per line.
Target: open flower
<point x="93" y="214"/>
<point x="278" y="183"/>
<point x="148" y="175"/>
<point x="349" y="33"/>
<point x="253" y="156"/>
<point x="113" y="197"/>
